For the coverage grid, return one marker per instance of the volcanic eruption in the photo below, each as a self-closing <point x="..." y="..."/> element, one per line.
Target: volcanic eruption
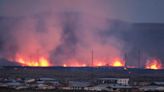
<point x="64" y="36"/>
<point x="118" y="62"/>
<point x="153" y="63"/>
<point x="32" y="61"/>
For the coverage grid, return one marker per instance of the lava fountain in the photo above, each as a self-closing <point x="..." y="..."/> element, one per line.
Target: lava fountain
<point x="32" y="61"/>
<point x="153" y="64"/>
<point x="117" y="62"/>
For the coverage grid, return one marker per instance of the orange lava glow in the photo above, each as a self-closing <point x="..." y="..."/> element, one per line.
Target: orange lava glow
<point x="153" y="64"/>
<point x="99" y="62"/>
<point x="64" y="65"/>
<point x="118" y="63"/>
<point x="74" y="63"/>
<point x="115" y="62"/>
<point x="39" y="61"/>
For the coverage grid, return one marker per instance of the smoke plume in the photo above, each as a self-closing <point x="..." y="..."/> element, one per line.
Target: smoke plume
<point x="65" y="32"/>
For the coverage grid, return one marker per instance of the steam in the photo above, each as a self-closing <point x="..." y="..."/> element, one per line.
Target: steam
<point x="65" y="32"/>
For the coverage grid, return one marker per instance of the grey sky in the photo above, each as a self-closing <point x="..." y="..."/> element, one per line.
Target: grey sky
<point x="129" y="10"/>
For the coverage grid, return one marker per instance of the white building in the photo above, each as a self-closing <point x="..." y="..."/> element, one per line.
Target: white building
<point x="100" y="87"/>
<point x="123" y="81"/>
<point x="30" y="81"/>
<point x="52" y="81"/>
<point x="120" y="81"/>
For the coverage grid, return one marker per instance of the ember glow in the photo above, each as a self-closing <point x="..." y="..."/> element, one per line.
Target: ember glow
<point x="153" y="64"/>
<point x="74" y="63"/>
<point x="99" y="62"/>
<point x="118" y="62"/>
<point x="33" y="61"/>
<point x="115" y="62"/>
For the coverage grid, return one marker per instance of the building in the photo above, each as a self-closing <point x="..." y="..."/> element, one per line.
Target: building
<point x="120" y="81"/>
<point x="152" y="88"/>
<point x="78" y="85"/>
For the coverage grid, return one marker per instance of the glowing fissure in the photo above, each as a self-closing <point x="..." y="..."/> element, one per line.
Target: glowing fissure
<point x="116" y="62"/>
<point x="44" y="62"/>
<point x="32" y="61"/>
<point x="153" y="64"/>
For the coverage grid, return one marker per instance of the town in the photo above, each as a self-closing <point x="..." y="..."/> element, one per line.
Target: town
<point x="83" y="79"/>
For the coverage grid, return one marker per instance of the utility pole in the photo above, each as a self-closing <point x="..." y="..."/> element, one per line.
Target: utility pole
<point x="125" y="59"/>
<point x="92" y="65"/>
<point x="92" y="58"/>
<point x="139" y="58"/>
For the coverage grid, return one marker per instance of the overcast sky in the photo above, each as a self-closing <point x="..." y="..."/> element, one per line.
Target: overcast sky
<point x="129" y="10"/>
